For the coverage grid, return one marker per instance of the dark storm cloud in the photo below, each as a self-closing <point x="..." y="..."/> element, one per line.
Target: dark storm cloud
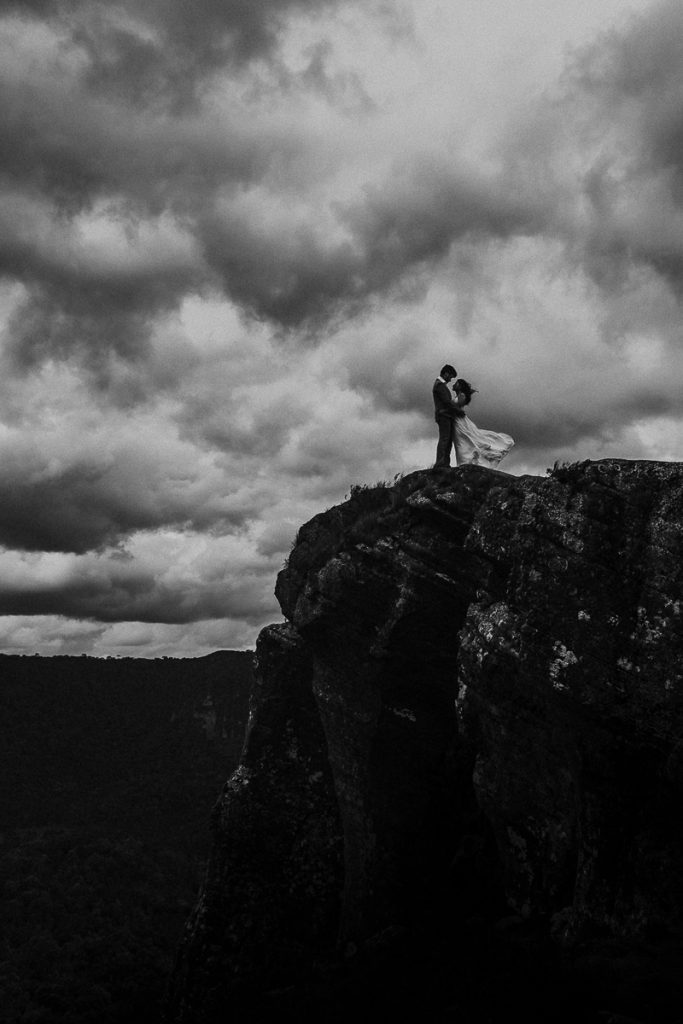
<point x="60" y="142"/>
<point x="66" y="144"/>
<point x="160" y="52"/>
<point x="139" y="596"/>
<point x="220" y="28"/>
<point x="73" y="147"/>
<point x="68" y="157"/>
<point x="76" y="510"/>
<point x="409" y="223"/>
<point x="93" y="319"/>
<point x="626" y="93"/>
<point x="29" y="8"/>
<point x="73" y="154"/>
<point x="99" y="501"/>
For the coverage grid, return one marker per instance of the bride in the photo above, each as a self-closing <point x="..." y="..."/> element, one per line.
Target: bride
<point x="472" y="445"/>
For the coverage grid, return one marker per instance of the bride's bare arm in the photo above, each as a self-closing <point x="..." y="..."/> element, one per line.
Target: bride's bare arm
<point x="458" y="402"/>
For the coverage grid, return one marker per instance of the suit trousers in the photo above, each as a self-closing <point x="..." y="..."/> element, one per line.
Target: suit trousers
<point x="446" y="440"/>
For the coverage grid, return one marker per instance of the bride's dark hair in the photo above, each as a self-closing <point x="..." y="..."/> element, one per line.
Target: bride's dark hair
<point x="464" y="385"/>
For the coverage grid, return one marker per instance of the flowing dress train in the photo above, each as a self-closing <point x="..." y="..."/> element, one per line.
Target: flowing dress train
<point x="479" y="447"/>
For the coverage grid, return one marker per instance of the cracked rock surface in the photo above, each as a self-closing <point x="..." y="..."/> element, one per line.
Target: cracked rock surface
<point x="464" y="759"/>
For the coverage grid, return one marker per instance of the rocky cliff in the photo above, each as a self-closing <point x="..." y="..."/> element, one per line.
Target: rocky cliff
<point x="461" y="786"/>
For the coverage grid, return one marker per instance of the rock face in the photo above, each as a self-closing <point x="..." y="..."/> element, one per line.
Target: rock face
<point x="462" y="779"/>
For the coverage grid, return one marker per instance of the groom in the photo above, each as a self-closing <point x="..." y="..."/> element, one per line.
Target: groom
<point x="445" y="411"/>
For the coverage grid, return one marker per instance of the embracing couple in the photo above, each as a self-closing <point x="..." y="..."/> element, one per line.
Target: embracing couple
<point x="456" y="429"/>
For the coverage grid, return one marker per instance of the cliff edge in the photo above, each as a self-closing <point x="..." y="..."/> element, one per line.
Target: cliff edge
<point x="461" y="783"/>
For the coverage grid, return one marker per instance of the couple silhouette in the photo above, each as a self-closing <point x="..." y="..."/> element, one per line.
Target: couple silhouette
<point x="473" y="446"/>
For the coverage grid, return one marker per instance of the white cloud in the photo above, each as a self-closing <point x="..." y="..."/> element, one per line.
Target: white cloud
<point x="237" y="245"/>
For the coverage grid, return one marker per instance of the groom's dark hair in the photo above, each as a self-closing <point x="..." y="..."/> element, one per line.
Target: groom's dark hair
<point x="449" y="369"/>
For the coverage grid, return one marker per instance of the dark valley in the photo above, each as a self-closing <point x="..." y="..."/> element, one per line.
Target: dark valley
<point x="110" y="768"/>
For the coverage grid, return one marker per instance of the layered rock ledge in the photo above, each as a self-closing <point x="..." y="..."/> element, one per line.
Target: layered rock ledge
<point x="461" y="783"/>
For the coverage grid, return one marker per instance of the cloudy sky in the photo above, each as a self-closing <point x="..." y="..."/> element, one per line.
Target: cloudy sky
<point x="239" y="239"/>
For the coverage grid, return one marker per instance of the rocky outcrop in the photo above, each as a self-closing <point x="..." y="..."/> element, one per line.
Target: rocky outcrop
<point x="462" y="777"/>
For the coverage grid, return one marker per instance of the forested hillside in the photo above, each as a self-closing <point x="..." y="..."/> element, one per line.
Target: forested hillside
<point x="109" y="771"/>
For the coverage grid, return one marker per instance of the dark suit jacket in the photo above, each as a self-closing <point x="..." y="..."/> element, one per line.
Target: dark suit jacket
<point x="443" y="403"/>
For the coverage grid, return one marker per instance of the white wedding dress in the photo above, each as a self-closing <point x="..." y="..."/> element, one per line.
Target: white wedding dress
<point x="479" y="447"/>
